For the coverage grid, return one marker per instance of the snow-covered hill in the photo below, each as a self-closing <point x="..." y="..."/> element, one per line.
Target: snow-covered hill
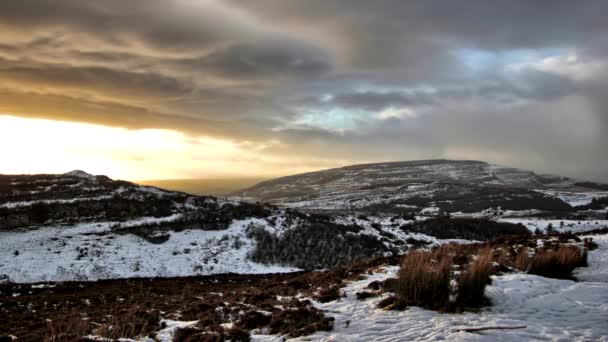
<point x="78" y="226"/>
<point x="427" y="186"/>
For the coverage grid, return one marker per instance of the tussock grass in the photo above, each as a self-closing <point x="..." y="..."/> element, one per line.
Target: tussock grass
<point x="557" y="262"/>
<point x="424" y="279"/>
<point x="129" y="323"/>
<point x="522" y="259"/>
<point x="66" y="330"/>
<point x="449" y="278"/>
<point x="472" y="282"/>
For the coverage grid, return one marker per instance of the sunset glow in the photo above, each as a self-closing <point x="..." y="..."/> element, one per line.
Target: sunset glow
<point x="46" y="146"/>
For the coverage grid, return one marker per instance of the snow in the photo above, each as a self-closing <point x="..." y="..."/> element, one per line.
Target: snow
<point x="598" y="262"/>
<point x="575" y="198"/>
<point x="95" y="251"/>
<point x="391" y="224"/>
<point x="12" y="205"/>
<point x="549" y="309"/>
<point x="575" y="226"/>
<point x="166" y="335"/>
<point x="360" y="186"/>
<point x="80" y="174"/>
<point x="152" y="190"/>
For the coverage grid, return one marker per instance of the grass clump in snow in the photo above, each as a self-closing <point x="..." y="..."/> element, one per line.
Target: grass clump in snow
<point x="473" y="280"/>
<point x="424" y="279"/>
<point x="522" y="259"/>
<point x="558" y="262"/>
<point x="444" y="279"/>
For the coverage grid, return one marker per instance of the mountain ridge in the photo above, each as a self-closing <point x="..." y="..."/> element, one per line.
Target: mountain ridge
<point x="337" y="187"/>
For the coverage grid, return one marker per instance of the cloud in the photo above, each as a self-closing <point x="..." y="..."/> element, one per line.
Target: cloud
<point x="518" y="82"/>
<point x="265" y="60"/>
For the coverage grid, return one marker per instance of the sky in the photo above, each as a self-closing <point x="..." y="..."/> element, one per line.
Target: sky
<point x="167" y="89"/>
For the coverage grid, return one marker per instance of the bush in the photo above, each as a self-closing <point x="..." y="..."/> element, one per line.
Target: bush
<point x="465" y="228"/>
<point x="558" y="262"/>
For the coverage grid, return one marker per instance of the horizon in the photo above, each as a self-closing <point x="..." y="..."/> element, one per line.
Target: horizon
<point x="161" y="90"/>
<point x="223" y="178"/>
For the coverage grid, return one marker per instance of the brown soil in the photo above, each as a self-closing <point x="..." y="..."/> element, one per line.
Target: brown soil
<point x="133" y="307"/>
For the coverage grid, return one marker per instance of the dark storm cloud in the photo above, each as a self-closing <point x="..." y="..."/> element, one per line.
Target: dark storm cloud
<point x="103" y="81"/>
<point x="479" y="79"/>
<point x="264" y="60"/>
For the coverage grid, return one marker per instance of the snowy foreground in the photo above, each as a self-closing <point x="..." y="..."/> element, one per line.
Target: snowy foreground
<point x="540" y="309"/>
<point x="550" y="310"/>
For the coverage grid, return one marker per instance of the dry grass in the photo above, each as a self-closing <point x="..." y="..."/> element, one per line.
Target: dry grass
<point x="129" y="323"/>
<point x="66" y="330"/>
<point x="428" y="279"/>
<point x="522" y="259"/>
<point x="472" y="282"/>
<point x="558" y="262"/>
<point x="424" y="279"/>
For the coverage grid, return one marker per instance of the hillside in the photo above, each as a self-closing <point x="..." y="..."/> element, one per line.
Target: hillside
<point x="427" y="186"/>
<point x="93" y="258"/>
<point x="78" y="226"/>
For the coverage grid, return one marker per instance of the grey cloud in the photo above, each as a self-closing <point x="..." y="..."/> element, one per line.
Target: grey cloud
<point x="264" y="60"/>
<point x="377" y="101"/>
<point x="531" y="85"/>
<point x="240" y="69"/>
<point x="102" y="81"/>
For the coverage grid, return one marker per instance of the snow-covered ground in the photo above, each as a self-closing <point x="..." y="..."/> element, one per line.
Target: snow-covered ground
<point x="575" y="226"/>
<point x="380" y="226"/>
<point x="540" y="309"/>
<point x="92" y="251"/>
<point x="575" y="198"/>
<point x="549" y="309"/>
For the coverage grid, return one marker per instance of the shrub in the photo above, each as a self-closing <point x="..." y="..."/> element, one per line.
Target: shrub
<point x="557" y="262"/>
<point x="465" y="228"/>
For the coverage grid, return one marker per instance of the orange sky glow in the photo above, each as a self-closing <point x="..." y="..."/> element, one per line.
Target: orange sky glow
<point x="46" y="146"/>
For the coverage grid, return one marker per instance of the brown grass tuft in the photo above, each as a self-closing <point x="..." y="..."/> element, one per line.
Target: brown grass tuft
<point x="472" y="282"/>
<point x="558" y="262"/>
<point x="428" y="279"/>
<point x="424" y="278"/>
<point x="522" y="259"/>
<point x="66" y="330"/>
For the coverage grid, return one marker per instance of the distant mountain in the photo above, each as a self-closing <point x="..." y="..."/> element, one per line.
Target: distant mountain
<point x="210" y="186"/>
<point x="426" y="186"/>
